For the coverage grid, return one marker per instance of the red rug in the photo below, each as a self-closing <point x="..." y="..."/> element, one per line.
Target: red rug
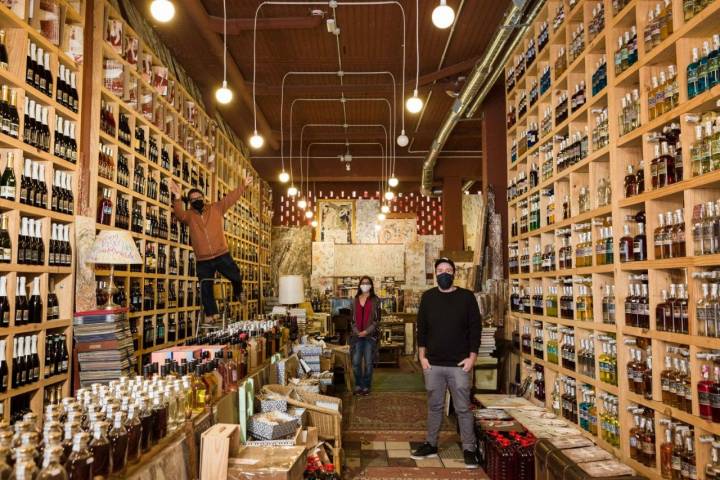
<point x="390" y="412"/>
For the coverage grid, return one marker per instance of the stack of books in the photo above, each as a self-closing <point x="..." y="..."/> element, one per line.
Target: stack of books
<point x="487" y="342"/>
<point x="104" y="345"/>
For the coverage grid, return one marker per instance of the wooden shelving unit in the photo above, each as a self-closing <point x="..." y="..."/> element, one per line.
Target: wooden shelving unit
<point x="22" y="28"/>
<point x="610" y="162"/>
<point x="171" y="137"/>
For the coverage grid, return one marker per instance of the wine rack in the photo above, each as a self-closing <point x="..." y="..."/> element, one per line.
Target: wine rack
<point x="148" y="129"/>
<point x="643" y="103"/>
<point x="37" y="209"/>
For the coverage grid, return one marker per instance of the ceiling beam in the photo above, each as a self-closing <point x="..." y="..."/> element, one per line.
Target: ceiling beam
<point x="196" y="11"/>
<point x="448" y="71"/>
<point x="237" y="26"/>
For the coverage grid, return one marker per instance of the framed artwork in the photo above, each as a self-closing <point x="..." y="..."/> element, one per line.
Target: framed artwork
<point x="337" y="220"/>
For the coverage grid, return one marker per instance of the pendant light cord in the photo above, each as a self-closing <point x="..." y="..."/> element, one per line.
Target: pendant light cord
<point x="224" y="42"/>
<point x="417" y="43"/>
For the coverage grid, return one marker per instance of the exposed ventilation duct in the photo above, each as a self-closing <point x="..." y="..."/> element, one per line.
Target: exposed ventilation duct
<point x="482" y="78"/>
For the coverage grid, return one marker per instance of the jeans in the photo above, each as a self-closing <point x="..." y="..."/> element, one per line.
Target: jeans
<point x="363" y="356"/>
<point x="206" y="270"/>
<point x="437" y="380"/>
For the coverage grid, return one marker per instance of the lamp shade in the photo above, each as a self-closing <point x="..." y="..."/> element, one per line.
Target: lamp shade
<point x="114" y="247"/>
<point x="291" y="290"/>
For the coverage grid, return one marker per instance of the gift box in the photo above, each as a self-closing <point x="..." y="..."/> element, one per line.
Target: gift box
<point x="272" y="425"/>
<point x="299" y="413"/>
<point x="272" y="403"/>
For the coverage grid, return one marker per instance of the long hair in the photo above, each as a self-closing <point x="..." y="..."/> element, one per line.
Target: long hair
<point x="371" y="293"/>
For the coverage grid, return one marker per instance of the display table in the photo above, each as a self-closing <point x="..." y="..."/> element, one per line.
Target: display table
<point x="389" y="354"/>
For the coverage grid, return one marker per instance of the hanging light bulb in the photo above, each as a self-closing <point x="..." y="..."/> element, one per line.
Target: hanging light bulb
<point x="302" y="203"/>
<point x="314" y="223"/>
<point x="162" y="10"/>
<point x="309" y="214"/>
<point x="389" y="195"/>
<point x="381" y="216"/>
<point x="402" y="139"/>
<point x="292" y="191"/>
<point x="377" y="227"/>
<point x="393" y="181"/>
<point x="385" y="209"/>
<point x="284" y="177"/>
<point x="223" y="94"/>
<point x="443" y="15"/>
<point x="256" y="140"/>
<point x="414" y="104"/>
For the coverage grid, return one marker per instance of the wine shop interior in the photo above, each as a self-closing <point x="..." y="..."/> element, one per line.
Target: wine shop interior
<point x="342" y="239"/>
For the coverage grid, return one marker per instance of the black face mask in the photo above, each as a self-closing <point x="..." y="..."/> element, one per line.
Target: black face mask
<point x="198" y="204"/>
<point x="445" y="280"/>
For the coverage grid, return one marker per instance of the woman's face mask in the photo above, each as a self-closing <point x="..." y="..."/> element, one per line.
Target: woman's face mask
<point x="365" y="288"/>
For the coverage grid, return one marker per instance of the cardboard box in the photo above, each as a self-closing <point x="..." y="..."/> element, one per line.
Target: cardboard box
<point x="271" y="403"/>
<point x="261" y="463"/>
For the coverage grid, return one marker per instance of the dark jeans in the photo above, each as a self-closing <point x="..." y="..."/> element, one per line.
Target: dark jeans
<point x="363" y="357"/>
<point x="206" y="270"/>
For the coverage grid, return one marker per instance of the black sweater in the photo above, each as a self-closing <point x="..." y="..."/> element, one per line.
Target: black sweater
<point x="448" y="326"/>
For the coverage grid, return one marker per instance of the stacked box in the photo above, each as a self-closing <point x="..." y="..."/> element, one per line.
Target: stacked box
<point x="271" y="403"/>
<point x="272" y="425"/>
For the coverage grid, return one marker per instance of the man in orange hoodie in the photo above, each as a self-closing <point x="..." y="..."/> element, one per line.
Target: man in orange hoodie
<point x="207" y="237"/>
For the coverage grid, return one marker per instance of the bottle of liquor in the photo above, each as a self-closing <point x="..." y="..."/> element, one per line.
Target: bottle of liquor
<point x="35" y="306"/>
<point x="704" y="388"/>
<point x="4" y="304"/>
<point x="105" y="208"/>
<point x="5" y="243"/>
<point x="33" y="360"/>
<point x="7" y="181"/>
<point x="80" y="462"/>
<point x="21" y="306"/>
<point x="100" y="450"/>
<point x="640" y="244"/>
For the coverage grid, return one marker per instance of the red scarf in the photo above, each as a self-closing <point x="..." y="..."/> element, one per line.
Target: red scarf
<point x="362" y="314"/>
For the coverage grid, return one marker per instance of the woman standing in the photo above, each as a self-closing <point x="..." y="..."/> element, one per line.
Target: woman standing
<point x="365" y="334"/>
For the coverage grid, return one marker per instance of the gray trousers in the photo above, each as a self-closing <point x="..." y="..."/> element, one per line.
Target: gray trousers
<point x="437" y="380"/>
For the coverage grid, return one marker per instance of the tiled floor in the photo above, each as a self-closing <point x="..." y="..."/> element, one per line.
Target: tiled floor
<point x="397" y="454"/>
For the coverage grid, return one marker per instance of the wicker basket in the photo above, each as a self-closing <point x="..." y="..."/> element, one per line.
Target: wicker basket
<point x="327" y="420"/>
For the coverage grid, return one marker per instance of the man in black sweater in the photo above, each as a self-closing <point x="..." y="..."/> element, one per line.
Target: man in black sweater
<point x="448" y="324"/>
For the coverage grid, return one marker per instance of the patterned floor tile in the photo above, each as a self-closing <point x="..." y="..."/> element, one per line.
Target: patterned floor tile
<point x="374" y="462"/>
<point x="398" y="445"/>
<point x="429" y="463"/>
<point x="374" y="445"/>
<point x="401" y="462"/>
<point x="368" y="454"/>
<point x="450" y="452"/>
<point x="399" y="453"/>
<point x="451" y="463"/>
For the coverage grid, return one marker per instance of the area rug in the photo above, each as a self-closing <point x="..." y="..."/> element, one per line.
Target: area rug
<point x="391" y="412"/>
<point x="395" y="473"/>
<point x="397" y="381"/>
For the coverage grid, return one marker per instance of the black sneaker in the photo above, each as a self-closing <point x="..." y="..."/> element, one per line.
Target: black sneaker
<point x="425" y="451"/>
<point x="471" y="460"/>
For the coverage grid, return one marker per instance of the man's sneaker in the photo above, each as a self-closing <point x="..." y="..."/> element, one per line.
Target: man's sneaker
<point x="425" y="451"/>
<point x="471" y="460"/>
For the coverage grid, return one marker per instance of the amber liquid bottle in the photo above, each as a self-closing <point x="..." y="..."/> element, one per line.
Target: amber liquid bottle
<point x="199" y="389"/>
<point x="100" y="450"/>
<point x="79" y="465"/>
<point x="146" y="421"/>
<point x="134" y="434"/>
<point x="626" y="245"/>
<point x="160" y="413"/>
<point x="666" y="451"/>
<point x="118" y="438"/>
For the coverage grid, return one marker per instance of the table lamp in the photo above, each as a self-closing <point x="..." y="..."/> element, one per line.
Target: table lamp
<point x="291" y="290"/>
<point x="113" y="247"/>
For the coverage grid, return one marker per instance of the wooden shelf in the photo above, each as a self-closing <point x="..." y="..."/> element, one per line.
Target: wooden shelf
<point x="610" y="163"/>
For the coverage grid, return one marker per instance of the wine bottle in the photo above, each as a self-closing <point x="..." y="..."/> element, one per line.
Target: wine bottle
<point x="42" y="194"/>
<point x="73" y="94"/>
<point x="5" y="110"/>
<point x="52" y="259"/>
<point x="30" y="68"/>
<point x="67" y="249"/>
<point x="4" y="63"/>
<point x="70" y="197"/>
<point x="34" y="200"/>
<point x="34" y="359"/>
<point x="25" y="182"/>
<point x="63" y="354"/>
<point x="7" y="181"/>
<point x="23" y="254"/>
<point x="60" y="85"/>
<point x="35" y="306"/>
<point x="4" y="304"/>
<point x="39" y="243"/>
<point x="14" y="115"/>
<point x="21" y="363"/>
<point x="15" y="365"/>
<point x="48" y="80"/>
<point x="5" y="244"/>
<point x="39" y="72"/>
<point x="49" y="356"/>
<point x="53" y="306"/>
<point x="3" y="368"/>
<point x="21" y="309"/>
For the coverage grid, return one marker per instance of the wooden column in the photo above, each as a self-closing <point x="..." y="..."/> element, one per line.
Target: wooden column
<point x="452" y="214"/>
<point x="494" y="165"/>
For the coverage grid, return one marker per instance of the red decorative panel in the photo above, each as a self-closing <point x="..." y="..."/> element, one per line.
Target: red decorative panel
<point x="427" y="209"/>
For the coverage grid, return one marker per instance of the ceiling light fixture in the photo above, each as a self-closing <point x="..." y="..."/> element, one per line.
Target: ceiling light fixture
<point x="292" y="191"/>
<point x="381" y="216"/>
<point x="162" y="10"/>
<point x="256" y="140"/>
<point x="443" y="15"/>
<point x="414" y="104"/>
<point x="389" y="195"/>
<point x="309" y="214"/>
<point x="402" y="139"/>
<point x="385" y="209"/>
<point x="314" y="223"/>
<point x="223" y="94"/>
<point x="302" y="203"/>
<point x="393" y="181"/>
<point x="284" y="177"/>
<point x="377" y="227"/>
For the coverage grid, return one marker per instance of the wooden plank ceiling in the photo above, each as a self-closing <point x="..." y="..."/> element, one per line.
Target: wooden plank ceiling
<point x="294" y="38"/>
